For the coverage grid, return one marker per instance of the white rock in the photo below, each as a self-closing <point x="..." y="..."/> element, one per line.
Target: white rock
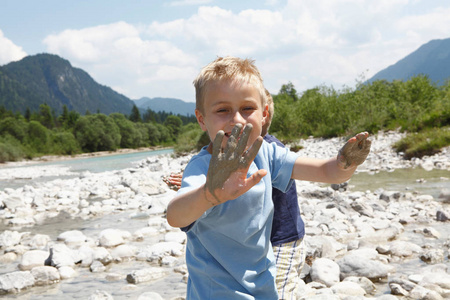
<point x="67" y="272"/>
<point x="61" y="256"/>
<point x="325" y="271"/>
<point x="123" y="252"/>
<point x="8" y="257"/>
<point x="159" y="250"/>
<point x="101" y="295"/>
<point x="348" y="288"/>
<point x="45" y="275"/>
<point x="113" y="237"/>
<point x="33" y="258"/>
<point x="10" y="238"/>
<point x="178" y="237"/>
<point x="39" y="241"/>
<point x="150" y="296"/>
<point x="15" y="282"/>
<point x="72" y="237"/>
<point x="144" y="275"/>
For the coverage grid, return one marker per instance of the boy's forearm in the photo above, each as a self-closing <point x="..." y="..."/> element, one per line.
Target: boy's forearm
<point x="321" y="170"/>
<point x="337" y="174"/>
<point x="185" y="209"/>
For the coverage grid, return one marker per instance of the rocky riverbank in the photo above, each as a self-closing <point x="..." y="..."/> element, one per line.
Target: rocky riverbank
<point x="104" y="235"/>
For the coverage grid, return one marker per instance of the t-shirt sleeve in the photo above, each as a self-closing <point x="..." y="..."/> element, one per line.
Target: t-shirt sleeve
<point x="281" y="165"/>
<point x="194" y="175"/>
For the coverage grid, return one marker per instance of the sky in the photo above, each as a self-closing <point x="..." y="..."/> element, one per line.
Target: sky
<point x="155" y="48"/>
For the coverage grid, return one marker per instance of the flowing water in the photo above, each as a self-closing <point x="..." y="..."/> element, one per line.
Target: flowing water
<point x="94" y="164"/>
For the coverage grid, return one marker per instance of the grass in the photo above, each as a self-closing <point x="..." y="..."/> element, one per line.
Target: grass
<point x="427" y="142"/>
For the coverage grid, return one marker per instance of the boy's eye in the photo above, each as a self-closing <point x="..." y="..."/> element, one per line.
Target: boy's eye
<point x="221" y="110"/>
<point x="248" y="108"/>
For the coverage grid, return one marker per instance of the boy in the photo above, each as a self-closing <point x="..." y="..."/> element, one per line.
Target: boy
<point x="225" y="200"/>
<point x="287" y="228"/>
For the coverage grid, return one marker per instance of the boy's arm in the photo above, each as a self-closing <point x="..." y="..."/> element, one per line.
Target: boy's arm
<point x="334" y="170"/>
<point x="226" y="178"/>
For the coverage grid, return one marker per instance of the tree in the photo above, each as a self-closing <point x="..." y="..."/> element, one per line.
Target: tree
<point x="46" y="116"/>
<point x="135" y="115"/>
<point x="28" y="114"/>
<point x="37" y="137"/>
<point x="149" y="116"/>
<point x="173" y="123"/>
<point x="289" y="89"/>
<point x="14" y="127"/>
<point x="130" y="136"/>
<point x="97" y="133"/>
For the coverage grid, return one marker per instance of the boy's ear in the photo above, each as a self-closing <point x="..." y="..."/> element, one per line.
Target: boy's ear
<point x="265" y="114"/>
<point x="200" y="119"/>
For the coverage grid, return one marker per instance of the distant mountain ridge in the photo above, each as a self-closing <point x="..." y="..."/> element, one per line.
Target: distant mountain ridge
<point x="169" y="105"/>
<point x="431" y="59"/>
<point x="50" y="79"/>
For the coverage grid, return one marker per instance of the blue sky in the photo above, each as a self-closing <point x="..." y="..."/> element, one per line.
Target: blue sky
<point x="154" y="48"/>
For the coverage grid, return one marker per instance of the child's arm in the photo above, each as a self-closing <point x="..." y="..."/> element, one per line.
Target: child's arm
<point x="334" y="170"/>
<point x="226" y="178"/>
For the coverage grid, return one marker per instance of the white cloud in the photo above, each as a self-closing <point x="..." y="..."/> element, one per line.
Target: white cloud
<point x="9" y="51"/>
<point x="116" y="55"/>
<point x="309" y="43"/>
<point x="189" y="2"/>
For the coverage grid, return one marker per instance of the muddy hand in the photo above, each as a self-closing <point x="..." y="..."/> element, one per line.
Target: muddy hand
<point x="227" y="173"/>
<point x="355" y="151"/>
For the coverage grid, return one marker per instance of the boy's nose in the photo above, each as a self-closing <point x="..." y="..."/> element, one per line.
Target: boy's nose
<point x="237" y="118"/>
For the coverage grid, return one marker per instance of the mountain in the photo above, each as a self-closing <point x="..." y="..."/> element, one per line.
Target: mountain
<point x="50" y="79"/>
<point x="431" y="59"/>
<point x="169" y="105"/>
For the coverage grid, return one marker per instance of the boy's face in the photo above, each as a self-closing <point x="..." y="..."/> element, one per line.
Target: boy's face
<point x="227" y="104"/>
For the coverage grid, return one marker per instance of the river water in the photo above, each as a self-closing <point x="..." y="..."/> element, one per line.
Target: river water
<point x="77" y="166"/>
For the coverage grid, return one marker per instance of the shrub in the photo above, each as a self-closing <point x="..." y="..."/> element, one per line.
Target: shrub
<point x="190" y="138"/>
<point x="97" y="132"/>
<point x="10" y="149"/>
<point x="64" y="143"/>
<point x="37" y="137"/>
<point x="427" y="142"/>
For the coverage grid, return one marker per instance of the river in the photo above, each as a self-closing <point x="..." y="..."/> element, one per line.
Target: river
<point x="95" y="164"/>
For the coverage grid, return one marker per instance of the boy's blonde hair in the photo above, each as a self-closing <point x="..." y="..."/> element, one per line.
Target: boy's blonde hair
<point x="233" y="69"/>
<point x="269" y="103"/>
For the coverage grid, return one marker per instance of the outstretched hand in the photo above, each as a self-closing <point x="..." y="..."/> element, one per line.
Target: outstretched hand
<point x="227" y="172"/>
<point x="355" y="151"/>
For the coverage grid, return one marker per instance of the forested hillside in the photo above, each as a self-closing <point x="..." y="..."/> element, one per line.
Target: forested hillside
<point x="50" y="79"/>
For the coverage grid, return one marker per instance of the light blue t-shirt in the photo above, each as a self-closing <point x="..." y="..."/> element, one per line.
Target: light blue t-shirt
<point x="228" y="251"/>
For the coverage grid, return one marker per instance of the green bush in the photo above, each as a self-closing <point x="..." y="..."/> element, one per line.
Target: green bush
<point x="37" y="138"/>
<point x="130" y="136"/>
<point x="423" y="143"/>
<point x="64" y="143"/>
<point x="97" y="132"/>
<point x="10" y="149"/>
<point x="190" y="138"/>
<point x="413" y="105"/>
<point x="16" y="127"/>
